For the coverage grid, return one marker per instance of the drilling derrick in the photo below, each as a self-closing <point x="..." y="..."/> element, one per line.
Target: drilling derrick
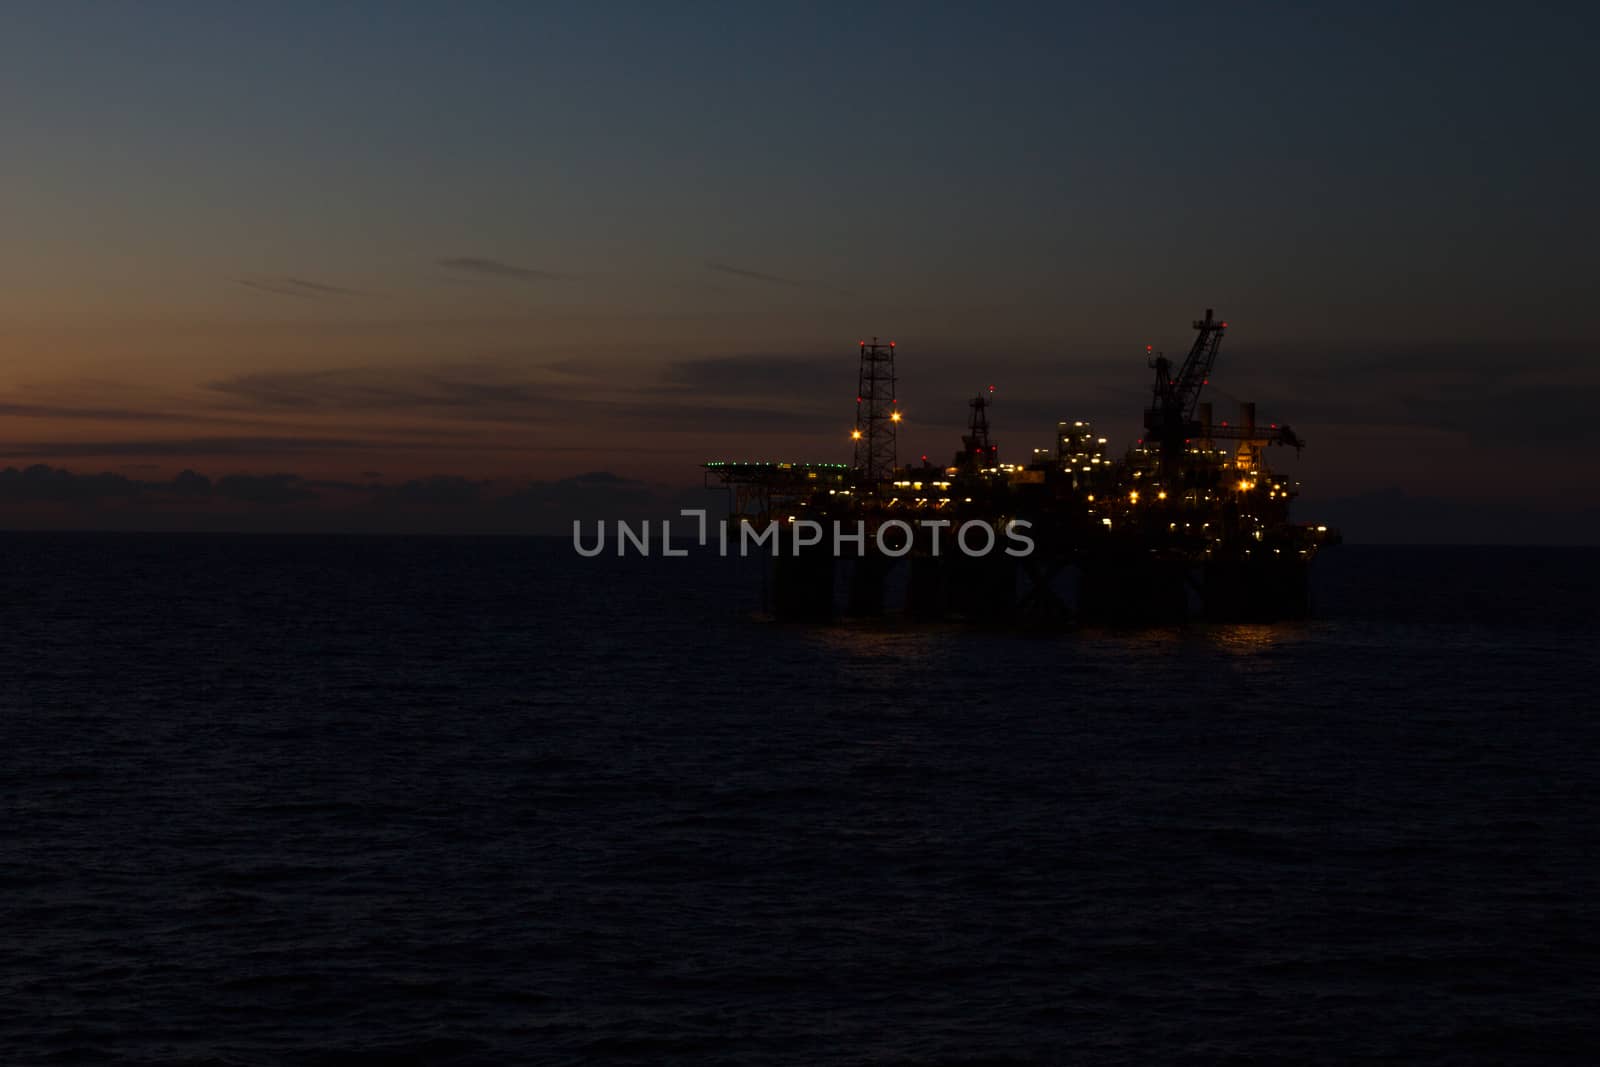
<point x="877" y="416"/>
<point x="977" y="451"/>
<point x="1170" y="420"/>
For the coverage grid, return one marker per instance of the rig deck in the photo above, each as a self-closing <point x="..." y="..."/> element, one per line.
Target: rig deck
<point x="1190" y="522"/>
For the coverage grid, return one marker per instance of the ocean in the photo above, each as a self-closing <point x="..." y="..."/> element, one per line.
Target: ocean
<point x="305" y="800"/>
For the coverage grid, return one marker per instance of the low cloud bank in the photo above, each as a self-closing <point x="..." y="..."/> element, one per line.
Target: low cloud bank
<point x="41" y="497"/>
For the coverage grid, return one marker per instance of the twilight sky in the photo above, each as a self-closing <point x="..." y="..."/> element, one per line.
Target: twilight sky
<point x="433" y="253"/>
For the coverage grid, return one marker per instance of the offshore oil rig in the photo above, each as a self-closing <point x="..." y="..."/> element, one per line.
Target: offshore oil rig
<point x="1192" y="522"/>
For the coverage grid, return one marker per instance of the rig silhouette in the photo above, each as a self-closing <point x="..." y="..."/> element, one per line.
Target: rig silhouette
<point x="1191" y="522"/>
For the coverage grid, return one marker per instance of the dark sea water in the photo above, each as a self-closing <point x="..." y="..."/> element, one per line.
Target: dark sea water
<point x="372" y="801"/>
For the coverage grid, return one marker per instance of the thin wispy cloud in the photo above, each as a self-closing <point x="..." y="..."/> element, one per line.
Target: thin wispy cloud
<point x="495" y="268"/>
<point x="319" y="288"/>
<point x="302" y="288"/>
<point x="773" y="279"/>
<point x="65" y="411"/>
<point x="434" y="440"/>
<point x="43" y="497"/>
<point x="161" y="409"/>
<point x="754" y="275"/>
<point x="384" y="389"/>
<point x="460" y="392"/>
<point x="180" y="447"/>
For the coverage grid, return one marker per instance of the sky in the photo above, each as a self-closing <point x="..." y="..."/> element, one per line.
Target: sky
<point x="476" y="265"/>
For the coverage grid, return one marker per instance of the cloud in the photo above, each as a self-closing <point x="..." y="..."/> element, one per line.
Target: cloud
<point x="181" y="446"/>
<point x="320" y="288"/>
<point x="164" y="410"/>
<point x="494" y="268"/>
<point x="43" y="497"/>
<point x="297" y="287"/>
<point x="781" y="375"/>
<point x="580" y="495"/>
<point x="1494" y="395"/>
<point x="58" y="411"/>
<point x="84" y="401"/>
<point x="754" y="275"/>
<point x="189" y="484"/>
<point x="773" y="279"/>
<point x="446" y="492"/>
<point x="465" y="391"/>
<point x="385" y="389"/>
<point x="267" y="489"/>
<point x="42" y="483"/>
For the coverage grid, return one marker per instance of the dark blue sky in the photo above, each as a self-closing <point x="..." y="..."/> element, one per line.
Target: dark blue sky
<point x="288" y="224"/>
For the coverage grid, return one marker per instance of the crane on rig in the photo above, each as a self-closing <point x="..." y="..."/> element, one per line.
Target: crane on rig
<point x="1171" y="422"/>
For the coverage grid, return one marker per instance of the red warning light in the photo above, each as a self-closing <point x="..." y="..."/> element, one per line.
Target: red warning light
<point x="1224" y="422"/>
<point x="1224" y="326"/>
<point x="891" y="344"/>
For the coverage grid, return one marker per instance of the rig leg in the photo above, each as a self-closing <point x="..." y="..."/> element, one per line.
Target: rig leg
<point x="1132" y="589"/>
<point x="925" y="588"/>
<point x="982" y="588"/>
<point x="802" y="586"/>
<point x="867" y="575"/>
<point x="1041" y="604"/>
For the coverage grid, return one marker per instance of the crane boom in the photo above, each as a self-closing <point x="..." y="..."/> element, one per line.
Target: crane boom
<point x="1170" y="419"/>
